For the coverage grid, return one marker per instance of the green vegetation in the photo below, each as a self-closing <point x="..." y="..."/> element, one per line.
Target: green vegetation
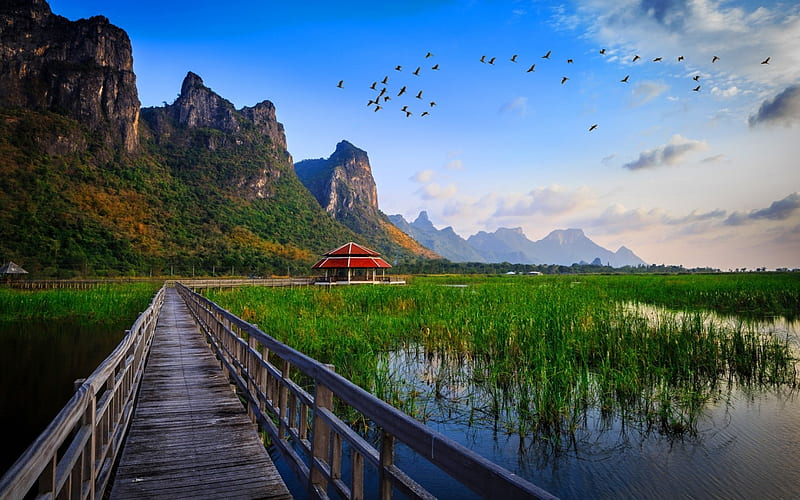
<point x="538" y="355"/>
<point x="102" y="304"/>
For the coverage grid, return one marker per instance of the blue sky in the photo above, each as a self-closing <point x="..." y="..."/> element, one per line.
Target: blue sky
<point x="699" y="178"/>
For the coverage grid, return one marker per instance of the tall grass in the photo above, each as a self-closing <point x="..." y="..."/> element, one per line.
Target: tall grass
<point x="533" y="356"/>
<point x="103" y="304"/>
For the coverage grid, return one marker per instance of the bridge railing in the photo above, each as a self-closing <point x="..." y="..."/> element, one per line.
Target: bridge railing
<point x="311" y="437"/>
<point x="74" y="455"/>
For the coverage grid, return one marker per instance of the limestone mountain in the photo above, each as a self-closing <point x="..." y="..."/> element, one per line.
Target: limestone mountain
<point x="444" y="242"/>
<point x="81" y="69"/>
<point x="345" y="188"/>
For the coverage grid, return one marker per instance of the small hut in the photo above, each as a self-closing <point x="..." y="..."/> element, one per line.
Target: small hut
<point x="10" y="270"/>
<point x="352" y="263"/>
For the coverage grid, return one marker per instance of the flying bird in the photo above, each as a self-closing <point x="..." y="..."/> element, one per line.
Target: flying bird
<point x="428" y="55"/>
<point x="547" y="56"/>
<point x="514" y="58"/>
<point x="419" y="95"/>
<point x="402" y="91"/>
<point x="404" y="108"/>
<point x="483" y="58"/>
<point x="680" y="58"/>
<point x="570" y="61"/>
<point x="563" y="80"/>
<point x="435" y="66"/>
<point x="531" y="69"/>
<point x="398" y="68"/>
<point x="385" y="79"/>
<point x="714" y="59"/>
<point x="371" y="102"/>
<point x="424" y="113"/>
<point x="765" y="61"/>
<point x="491" y="61"/>
<point x="383" y="91"/>
<point x="416" y="71"/>
<point x="386" y="98"/>
<point x="433" y="104"/>
<point x="636" y="58"/>
<point x="657" y="59"/>
<point x="696" y="78"/>
<point x="341" y="82"/>
<point x="408" y="113"/>
<point x="592" y="127"/>
<point x="603" y="51"/>
<point x="374" y="84"/>
<point x="625" y="80"/>
<point x="697" y="89"/>
<point x="378" y="107"/>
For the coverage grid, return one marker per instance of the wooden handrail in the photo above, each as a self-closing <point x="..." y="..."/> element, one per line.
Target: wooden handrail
<point x="282" y="409"/>
<point x="74" y="455"/>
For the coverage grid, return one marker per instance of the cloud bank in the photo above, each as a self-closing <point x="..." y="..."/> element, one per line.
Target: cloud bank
<point x="783" y="109"/>
<point x="672" y="153"/>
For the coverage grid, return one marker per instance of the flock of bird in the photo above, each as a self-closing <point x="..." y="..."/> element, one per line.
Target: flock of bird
<point x="383" y="96"/>
<point x="381" y="100"/>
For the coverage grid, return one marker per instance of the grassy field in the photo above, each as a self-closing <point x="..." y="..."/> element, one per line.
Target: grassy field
<point x="537" y="355"/>
<point x="103" y="304"/>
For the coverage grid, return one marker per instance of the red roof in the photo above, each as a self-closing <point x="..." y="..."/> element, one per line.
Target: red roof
<point x="352" y="256"/>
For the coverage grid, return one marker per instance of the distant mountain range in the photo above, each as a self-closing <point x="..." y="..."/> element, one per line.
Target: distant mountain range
<point x="562" y="246"/>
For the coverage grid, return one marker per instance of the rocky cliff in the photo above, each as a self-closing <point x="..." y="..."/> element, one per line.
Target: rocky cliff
<point x="81" y="69"/>
<point x="345" y="188"/>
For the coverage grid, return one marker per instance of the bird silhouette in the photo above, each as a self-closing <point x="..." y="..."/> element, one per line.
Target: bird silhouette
<point x="398" y="68"/>
<point x="424" y="113"/>
<point x="428" y="55"/>
<point x="386" y="98"/>
<point x="433" y="104"/>
<point x="563" y="80"/>
<point x="374" y="84"/>
<point x="371" y="102"/>
<point x="416" y="71"/>
<point x="419" y="95"/>
<point x="404" y="108"/>
<point x="657" y="59"/>
<point x="714" y="59"/>
<point x="570" y="61"/>
<point x="402" y="91"/>
<point x="385" y="79"/>
<point x="483" y="58"/>
<point x="696" y="78"/>
<point x="765" y="61"/>
<point x="625" y="80"/>
<point x="592" y="127"/>
<point x="435" y="66"/>
<point x="491" y="61"/>
<point x="547" y="56"/>
<point x="383" y="91"/>
<point x="603" y="51"/>
<point x="408" y="113"/>
<point x="531" y="69"/>
<point x="378" y="107"/>
<point x="697" y="89"/>
<point x="341" y="82"/>
<point x="680" y="58"/>
<point x="636" y="58"/>
<point x="514" y="58"/>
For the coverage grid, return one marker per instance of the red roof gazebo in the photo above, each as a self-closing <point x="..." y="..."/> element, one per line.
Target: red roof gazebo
<point x="353" y="263"/>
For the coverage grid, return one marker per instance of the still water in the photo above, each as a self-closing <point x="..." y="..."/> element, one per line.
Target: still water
<point x="40" y="360"/>
<point x="746" y="445"/>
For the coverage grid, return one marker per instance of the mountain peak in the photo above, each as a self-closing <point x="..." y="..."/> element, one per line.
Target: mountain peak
<point x="565" y="236"/>
<point x="423" y="219"/>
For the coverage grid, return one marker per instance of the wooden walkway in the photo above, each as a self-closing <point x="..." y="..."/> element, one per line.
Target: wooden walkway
<point x="190" y="437"/>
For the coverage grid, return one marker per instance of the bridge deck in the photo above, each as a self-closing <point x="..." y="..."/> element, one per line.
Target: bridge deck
<point x="190" y="437"/>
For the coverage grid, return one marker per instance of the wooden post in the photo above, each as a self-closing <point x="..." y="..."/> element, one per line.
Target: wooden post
<point x="387" y="459"/>
<point x="320" y="441"/>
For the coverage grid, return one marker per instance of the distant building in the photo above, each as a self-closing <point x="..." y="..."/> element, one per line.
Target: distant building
<point x="352" y="263"/>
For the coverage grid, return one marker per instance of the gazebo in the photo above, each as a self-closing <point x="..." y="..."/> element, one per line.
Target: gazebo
<point x="10" y="269"/>
<point x="352" y="263"/>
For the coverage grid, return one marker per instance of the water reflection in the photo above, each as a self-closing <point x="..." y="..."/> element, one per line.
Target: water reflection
<point x="41" y="360"/>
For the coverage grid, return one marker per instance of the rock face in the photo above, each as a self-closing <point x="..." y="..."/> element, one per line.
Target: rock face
<point x="82" y="69"/>
<point x="251" y="137"/>
<point x="343" y="183"/>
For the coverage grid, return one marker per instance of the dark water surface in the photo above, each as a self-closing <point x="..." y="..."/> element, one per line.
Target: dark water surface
<point x="39" y="361"/>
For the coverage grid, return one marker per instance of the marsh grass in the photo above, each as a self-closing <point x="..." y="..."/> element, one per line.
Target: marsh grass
<point x="103" y="304"/>
<point x="533" y="356"/>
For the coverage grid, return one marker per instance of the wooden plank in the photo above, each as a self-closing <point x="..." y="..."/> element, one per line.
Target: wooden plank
<point x="190" y="437"/>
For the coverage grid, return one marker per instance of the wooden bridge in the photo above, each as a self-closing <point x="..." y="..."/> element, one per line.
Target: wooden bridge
<point x="158" y="419"/>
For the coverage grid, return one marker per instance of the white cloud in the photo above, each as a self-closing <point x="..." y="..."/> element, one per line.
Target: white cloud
<point x="423" y="176"/>
<point x="731" y="91"/>
<point x="434" y="191"/>
<point x="672" y="153"/>
<point x="783" y="109"/>
<point x="455" y="165"/>
<point x="646" y="91"/>
<point x="552" y="200"/>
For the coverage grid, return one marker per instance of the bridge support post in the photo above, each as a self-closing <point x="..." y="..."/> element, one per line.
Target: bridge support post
<point x="320" y="442"/>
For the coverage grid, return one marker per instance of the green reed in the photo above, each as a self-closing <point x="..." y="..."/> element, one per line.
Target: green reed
<point x="102" y="304"/>
<point x="536" y="356"/>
